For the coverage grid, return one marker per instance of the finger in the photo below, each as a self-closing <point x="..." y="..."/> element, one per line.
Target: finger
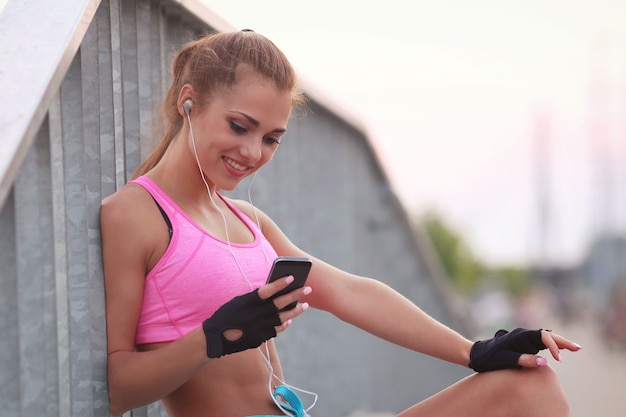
<point x="548" y="339"/>
<point x="292" y="297"/>
<point x="283" y="327"/>
<point x="268" y="290"/>
<point x="555" y="343"/>
<point x="564" y="343"/>
<point x="532" y="361"/>
<point x="287" y="317"/>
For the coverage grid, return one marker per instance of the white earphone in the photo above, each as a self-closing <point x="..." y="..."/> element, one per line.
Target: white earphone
<point x="187" y="105"/>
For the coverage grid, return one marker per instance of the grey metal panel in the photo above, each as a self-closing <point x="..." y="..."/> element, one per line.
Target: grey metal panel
<point x="109" y="89"/>
<point x="148" y="66"/>
<point x="118" y="92"/>
<point x="9" y="322"/>
<point x="90" y="82"/>
<point x="130" y="84"/>
<point x="35" y="284"/>
<point x="60" y="256"/>
<point x="74" y="170"/>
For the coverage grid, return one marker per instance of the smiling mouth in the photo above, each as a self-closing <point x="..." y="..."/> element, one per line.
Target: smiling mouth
<point x="235" y="165"/>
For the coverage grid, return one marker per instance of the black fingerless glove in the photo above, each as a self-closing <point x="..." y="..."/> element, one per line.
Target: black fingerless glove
<point x="503" y="351"/>
<point x="253" y="316"/>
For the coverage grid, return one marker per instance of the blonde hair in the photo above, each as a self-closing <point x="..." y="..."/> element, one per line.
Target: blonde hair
<point x="209" y="64"/>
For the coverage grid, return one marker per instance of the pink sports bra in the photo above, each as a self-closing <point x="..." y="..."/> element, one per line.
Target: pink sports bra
<point x="197" y="273"/>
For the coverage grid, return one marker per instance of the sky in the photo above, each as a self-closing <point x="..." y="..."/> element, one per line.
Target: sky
<point x="489" y="111"/>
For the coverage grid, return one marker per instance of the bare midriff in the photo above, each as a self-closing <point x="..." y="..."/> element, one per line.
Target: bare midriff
<point x="235" y="385"/>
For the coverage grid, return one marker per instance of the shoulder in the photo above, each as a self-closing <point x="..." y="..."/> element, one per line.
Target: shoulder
<point x="125" y="205"/>
<point x="256" y="215"/>
<point x="274" y="235"/>
<point x="132" y="230"/>
<point x="245" y="207"/>
<point x="130" y="216"/>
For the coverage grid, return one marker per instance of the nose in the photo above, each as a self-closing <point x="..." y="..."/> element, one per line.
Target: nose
<point x="252" y="149"/>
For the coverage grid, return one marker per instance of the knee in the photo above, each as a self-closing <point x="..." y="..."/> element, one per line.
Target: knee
<point x="541" y="389"/>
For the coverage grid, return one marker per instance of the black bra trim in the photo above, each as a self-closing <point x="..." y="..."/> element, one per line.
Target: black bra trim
<point x="167" y="219"/>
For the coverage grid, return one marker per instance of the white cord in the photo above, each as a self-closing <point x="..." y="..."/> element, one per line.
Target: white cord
<point x="208" y="189"/>
<point x="266" y="356"/>
<point x="256" y="215"/>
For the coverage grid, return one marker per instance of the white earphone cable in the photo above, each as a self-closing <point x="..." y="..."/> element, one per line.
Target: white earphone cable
<point x="266" y="356"/>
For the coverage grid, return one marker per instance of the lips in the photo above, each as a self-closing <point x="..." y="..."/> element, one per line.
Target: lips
<point x="238" y="167"/>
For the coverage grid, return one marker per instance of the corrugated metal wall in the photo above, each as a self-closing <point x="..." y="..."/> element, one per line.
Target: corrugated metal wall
<point x="324" y="187"/>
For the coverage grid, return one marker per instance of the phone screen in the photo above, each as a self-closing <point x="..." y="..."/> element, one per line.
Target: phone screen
<point x="284" y="266"/>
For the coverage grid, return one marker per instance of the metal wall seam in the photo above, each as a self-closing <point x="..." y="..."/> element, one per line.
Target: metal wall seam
<point x="118" y="89"/>
<point x="145" y="65"/>
<point x="106" y="106"/>
<point x="90" y="82"/>
<point x="60" y="256"/>
<point x="77" y="257"/>
<point x="9" y="328"/>
<point x="130" y="87"/>
<point x="32" y="228"/>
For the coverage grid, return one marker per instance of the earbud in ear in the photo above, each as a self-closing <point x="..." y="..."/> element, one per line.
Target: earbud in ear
<point x="187" y="105"/>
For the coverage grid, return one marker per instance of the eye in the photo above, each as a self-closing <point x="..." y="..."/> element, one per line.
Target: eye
<point x="237" y="128"/>
<point x="271" y="140"/>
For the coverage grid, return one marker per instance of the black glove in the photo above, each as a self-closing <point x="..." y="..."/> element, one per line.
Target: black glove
<point x="256" y="318"/>
<point x="503" y="351"/>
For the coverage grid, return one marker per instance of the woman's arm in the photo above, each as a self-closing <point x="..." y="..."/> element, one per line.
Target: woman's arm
<point x="370" y="304"/>
<point x="376" y="308"/>
<point x="130" y="237"/>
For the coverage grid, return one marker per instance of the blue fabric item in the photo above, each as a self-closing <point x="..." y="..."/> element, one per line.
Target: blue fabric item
<point x="289" y="401"/>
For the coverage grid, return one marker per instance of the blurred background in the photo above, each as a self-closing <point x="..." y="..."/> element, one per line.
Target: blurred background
<point x="502" y="126"/>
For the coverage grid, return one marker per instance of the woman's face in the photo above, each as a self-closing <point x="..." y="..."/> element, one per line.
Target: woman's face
<point x="239" y="130"/>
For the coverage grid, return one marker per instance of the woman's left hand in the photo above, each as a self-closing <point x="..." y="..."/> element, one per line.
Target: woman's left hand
<point x="516" y="349"/>
<point x="554" y="343"/>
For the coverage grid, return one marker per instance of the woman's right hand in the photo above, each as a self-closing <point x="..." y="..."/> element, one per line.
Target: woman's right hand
<point x="268" y="291"/>
<point x="248" y="320"/>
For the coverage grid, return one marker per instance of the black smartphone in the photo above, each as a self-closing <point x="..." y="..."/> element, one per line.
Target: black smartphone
<point x="284" y="266"/>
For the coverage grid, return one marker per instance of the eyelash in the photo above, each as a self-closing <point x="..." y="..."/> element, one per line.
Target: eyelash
<point x="241" y="130"/>
<point x="237" y="128"/>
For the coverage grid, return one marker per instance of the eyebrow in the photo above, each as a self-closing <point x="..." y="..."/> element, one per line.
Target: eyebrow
<point x="256" y="123"/>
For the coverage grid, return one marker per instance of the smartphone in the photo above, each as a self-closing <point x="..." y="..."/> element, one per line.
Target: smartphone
<point x="284" y="266"/>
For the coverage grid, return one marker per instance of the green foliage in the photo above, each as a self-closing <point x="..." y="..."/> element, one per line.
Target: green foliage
<point x="515" y="280"/>
<point x="463" y="269"/>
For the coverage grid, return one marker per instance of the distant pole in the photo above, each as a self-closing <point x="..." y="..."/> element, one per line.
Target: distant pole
<point x="542" y="144"/>
<point x="600" y="142"/>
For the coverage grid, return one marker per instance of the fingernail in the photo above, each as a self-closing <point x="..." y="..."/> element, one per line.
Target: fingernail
<point x="542" y="361"/>
<point x="288" y="323"/>
<point x="305" y="306"/>
<point x="560" y="359"/>
<point x="307" y="290"/>
<point x="578" y="346"/>
<point x="289" y="279"/>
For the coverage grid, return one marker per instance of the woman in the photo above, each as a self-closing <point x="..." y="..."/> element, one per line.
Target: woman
<point x="190" y="319"/>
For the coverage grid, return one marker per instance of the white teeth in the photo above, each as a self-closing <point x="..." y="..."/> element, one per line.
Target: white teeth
<point x="235" y="164"/>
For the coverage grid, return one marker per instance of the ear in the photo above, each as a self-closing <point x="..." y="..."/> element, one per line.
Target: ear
<point x="186" y="93"/>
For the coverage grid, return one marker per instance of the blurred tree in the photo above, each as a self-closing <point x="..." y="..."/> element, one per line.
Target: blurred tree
<point x="514" y="280"/>
<point x="463" y="269"/>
